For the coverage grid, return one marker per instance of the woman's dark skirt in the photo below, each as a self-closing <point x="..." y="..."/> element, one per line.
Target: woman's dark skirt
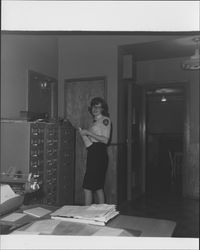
<point x="97" y="163"/>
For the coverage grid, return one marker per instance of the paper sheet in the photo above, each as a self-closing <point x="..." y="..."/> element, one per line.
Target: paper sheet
<point x="6" y="193"/>
<point x="43" y="226"/>
<point x="108" y="231"/>
<point x="24" y="232"/>
<point x="37" y="211"/>
<point x="13" y="217"/>
<point x="86" y="141"/>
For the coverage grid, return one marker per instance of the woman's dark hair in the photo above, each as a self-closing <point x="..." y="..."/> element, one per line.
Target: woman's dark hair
<point x="96" y="101"/>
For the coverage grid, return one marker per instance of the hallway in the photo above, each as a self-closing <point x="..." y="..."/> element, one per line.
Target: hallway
<point x="184" y="211"/>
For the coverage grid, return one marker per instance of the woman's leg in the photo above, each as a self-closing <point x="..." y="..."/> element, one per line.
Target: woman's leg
<point x="100" y="196"/>
<point x="88" y="197"/>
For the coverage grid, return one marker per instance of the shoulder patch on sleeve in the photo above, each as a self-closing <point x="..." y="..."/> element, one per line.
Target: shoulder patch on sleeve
<point x="106" y="122"/>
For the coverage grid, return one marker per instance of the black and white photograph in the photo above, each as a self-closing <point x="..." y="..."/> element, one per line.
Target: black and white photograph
<point x="99" y="125"/>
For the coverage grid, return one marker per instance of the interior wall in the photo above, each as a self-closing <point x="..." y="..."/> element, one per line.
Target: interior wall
<point x="20" y="53"/>
<point x="60" y="57"/>
<point x="85" y="57"/>
<point x="169" y="71"/>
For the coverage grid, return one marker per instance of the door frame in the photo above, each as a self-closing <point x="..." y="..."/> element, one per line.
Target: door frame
<point x="140" y="122"/>
<point x="123" y="170"/>
<point x="123" y="178"/>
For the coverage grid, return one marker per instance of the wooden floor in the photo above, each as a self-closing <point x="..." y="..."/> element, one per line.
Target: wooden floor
<point x="185" y="212"/>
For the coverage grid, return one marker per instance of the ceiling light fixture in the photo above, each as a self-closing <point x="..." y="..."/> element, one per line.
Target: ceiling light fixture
<point x="194" y="62"/>
<point x="163" y="99"/>
<point x="43" y="85"/>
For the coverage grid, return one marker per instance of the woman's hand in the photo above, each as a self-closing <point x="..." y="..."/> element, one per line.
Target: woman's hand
<point x="84" y="132"/>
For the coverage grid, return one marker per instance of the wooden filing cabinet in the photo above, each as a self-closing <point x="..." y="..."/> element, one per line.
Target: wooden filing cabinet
<point x="66" y="172"/>
<point x="44" y="149"/>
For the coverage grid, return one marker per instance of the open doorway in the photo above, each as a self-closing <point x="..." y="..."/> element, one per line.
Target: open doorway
<point x="141" y="66"/>
<point x="165" y="112"/>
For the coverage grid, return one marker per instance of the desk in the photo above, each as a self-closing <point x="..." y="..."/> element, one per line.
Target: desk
<point x="45" y="225"/>
<point x="132" y="226"/>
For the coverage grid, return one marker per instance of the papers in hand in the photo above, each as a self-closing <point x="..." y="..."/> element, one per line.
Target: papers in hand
<point x="6" y="193"/>
<point x="37" y="211"/>
<point x="85" y="139"/>
<point x="97" y="214"/>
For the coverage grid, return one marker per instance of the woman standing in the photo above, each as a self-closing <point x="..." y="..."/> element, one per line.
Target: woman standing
<point x="96" y="139"/>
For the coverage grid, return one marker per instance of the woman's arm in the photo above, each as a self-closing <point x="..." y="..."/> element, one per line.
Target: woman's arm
<point x="85" y="138"/>
<point x="100" y="138"/>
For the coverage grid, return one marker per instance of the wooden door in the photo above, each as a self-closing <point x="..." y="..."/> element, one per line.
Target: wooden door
<point x="138" y="141"/>
<point x="129" y="140"/>
<point x="78" y="94"/>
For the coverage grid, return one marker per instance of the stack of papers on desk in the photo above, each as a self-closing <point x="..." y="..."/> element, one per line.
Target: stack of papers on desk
<point x="96" y="214"/>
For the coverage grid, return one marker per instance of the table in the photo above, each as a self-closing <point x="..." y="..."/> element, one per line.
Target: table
<point x="131" y="225"/>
